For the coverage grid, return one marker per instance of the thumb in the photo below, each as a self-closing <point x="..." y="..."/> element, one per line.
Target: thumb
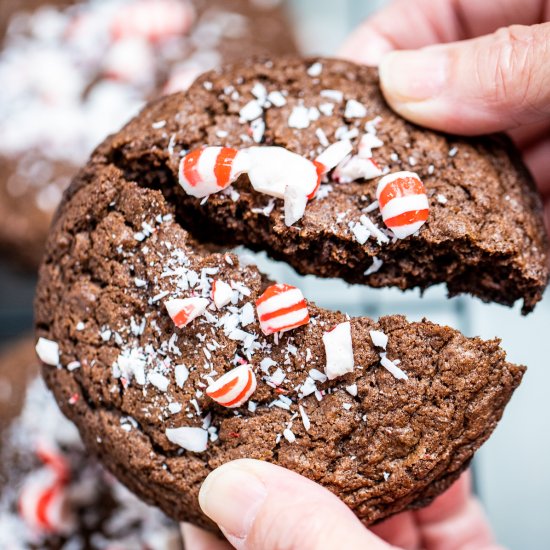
<point x="487" y="84"/>
<point x="260" y="506"/>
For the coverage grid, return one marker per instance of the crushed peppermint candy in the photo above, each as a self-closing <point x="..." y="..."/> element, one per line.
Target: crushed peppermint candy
<point x="392" y="367"/>
<point x="379" y="338"/>
<point x="299" y="117"/>
<point x="305" y="418"/>
<point x="181" y="373"/>
<point x="375" y="267"/>
<point x="222" y="293"/>
<point x="355" y="109"/>
<point x="315" y="69"/>
<point x="48" y="351"/>
<point x="184" y="310"/>
<point x="189" y="438"/>
<point x="338" y="351"/>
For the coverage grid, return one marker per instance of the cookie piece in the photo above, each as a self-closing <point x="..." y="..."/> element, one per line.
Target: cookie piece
<point x="484" y="235"/>
<point x="105" y="65"/>
<point x="102" y="512"/>
<point x="385" y="437"/>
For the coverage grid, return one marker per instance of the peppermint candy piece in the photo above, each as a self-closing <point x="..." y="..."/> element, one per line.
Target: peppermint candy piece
<point x="211" y="169"/>
<point x="188" y="438"/>
<point x="403" y="203"/>
<point x="52" y="457"/>
<point x="153" y="20"/>
<point x="183" y="311"/>
<point x="48" y="351"/>
<point x="221" y="293"/>
<point x="356" y="168"/>
<point x="338" y="350"/>
<point x="334" y="154"/>
<point x="280" y="308"/>
<point x="277" y="172"/>
<point x="43" y="503"/>
<point x="234" y="387"/>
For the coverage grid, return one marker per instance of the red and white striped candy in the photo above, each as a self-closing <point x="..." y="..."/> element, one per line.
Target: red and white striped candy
<point x="221" y="293"/>
<point x="52" y="457"/>
<point x="183" y="311"/>
<point x="43" y="503"/>
<point x="403" y="203"/>
<point x="212" y="169"/>
<point x="234" y="387"/>
<point x="332" y="156"/>
<point x="153" y="20"/>
<point x="280" y="308"/>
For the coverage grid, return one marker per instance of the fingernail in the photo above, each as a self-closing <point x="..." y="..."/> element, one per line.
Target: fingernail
<point x="414" y="76"/>
<point x="231" y="496"/>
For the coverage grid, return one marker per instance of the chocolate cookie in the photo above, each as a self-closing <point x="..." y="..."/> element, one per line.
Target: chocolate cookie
<point x="183" y="358"/>
<point x="98" y="511"/>
<point x="71" y="75"/>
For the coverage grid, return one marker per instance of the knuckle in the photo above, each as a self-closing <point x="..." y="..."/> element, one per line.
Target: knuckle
<point x="516" y="76"/>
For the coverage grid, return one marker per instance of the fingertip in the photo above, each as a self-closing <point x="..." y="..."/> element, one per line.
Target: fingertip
<point x="365" y="46"/>
<point x="450" y="502"/>
<point x="195" y="538"/>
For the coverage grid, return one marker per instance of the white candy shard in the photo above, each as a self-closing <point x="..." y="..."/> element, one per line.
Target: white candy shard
<point x="354" y="109"/>
<point x="392" y="368"/>
<point x="334" y="154"/>
<point x="356" y="168"/>
<point x="367" y="143"/>
<point x="221" y="293"/>
<point x="233" y="388"/>
<point x="379" y="338"/>
<point x="338" y="350"/>
<point x="158" y="380"/>
<point x="189" y="438"/>
<point x="183" y="311"/>
<point x="299" y="117"/>
<point x="48" y="351"/>
<point x="182" y="374"/>
<point x="273" y="169"/>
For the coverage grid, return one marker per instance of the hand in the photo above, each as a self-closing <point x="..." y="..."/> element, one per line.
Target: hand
<point x="260" y="506"/>
<point x="473" y="83"/>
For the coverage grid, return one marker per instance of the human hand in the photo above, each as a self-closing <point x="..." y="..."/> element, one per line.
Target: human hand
<point x="260" y="506"/>
<point x="456" y="77"/>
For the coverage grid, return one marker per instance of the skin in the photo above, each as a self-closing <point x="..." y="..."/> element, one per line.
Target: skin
<point x="461" y="66"/>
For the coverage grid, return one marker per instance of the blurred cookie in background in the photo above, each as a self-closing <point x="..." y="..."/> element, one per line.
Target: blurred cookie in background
<point x="52" y="494"/>
<point x="73" y="74"/>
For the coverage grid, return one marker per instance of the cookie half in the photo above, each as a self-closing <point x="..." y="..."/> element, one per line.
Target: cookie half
<point x="385" y="414"/>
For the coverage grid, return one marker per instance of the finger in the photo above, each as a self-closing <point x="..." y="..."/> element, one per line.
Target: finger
<point x="260" y="506"/>
<point x="411" y="24"/>
<point x="400" y="531"/>
<point x="198" y="539"/>
<point x="537" y="158"/>
<point x="455" y="520"/>
<point x="488" y="84"/>
<point x="527" y="135"/>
